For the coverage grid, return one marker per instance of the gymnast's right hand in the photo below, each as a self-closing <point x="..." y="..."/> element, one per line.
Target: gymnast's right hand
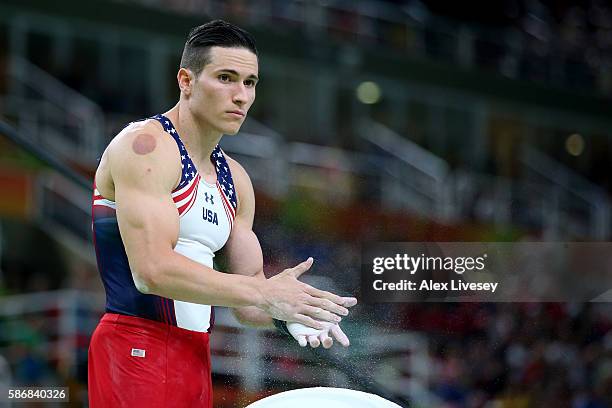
<point x="288" y="299"/>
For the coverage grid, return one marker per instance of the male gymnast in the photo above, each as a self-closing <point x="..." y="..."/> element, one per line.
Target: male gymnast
<point x="166" y="199"/>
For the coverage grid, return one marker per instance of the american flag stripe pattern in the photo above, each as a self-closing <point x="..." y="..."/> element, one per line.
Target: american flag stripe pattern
<point x="184" y="195"/>
<point x="225" y="184"/>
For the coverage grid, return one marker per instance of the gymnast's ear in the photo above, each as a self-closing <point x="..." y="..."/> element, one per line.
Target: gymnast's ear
<point x="185" y="78"/>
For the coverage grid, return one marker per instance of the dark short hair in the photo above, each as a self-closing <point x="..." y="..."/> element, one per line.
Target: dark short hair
<point x="215" y="33"/>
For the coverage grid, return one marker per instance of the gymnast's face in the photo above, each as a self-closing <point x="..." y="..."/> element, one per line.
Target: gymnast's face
<point x="221" y="95"/>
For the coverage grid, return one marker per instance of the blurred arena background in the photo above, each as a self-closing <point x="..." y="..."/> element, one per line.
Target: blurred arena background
<point x="374" y="121"/>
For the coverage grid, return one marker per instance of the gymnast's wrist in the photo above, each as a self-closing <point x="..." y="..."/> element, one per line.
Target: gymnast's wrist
<point x="281" y="326"/>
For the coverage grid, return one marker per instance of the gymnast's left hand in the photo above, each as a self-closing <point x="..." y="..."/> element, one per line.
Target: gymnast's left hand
<point x="307" y="335"/>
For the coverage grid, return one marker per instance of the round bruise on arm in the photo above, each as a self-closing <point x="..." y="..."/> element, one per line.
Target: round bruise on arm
<point x="143" y="144"/>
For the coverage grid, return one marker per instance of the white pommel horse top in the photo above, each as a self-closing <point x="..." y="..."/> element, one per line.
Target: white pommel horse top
<point x="323" y="397"/>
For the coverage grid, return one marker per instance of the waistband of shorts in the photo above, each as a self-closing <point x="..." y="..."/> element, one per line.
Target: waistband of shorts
<point x="153" y="326"/>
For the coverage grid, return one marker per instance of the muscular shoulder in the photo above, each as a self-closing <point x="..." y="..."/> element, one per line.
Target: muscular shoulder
<point x="146" y="140"/>
<point x="143" y="154"/>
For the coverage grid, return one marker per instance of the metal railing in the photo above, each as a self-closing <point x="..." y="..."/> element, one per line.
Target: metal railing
<point x="58" y="118"/>
<point x="414" y="177"/>
<point x="57" y="319"/>
<point x="63" y="209"/>
<point x="581" y="207"/>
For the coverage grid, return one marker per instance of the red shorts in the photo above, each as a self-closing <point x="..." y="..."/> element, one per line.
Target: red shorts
<point x="136" y="362"/>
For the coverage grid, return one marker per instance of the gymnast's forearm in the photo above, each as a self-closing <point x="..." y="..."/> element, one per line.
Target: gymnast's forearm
<point x="177" y="277"/>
